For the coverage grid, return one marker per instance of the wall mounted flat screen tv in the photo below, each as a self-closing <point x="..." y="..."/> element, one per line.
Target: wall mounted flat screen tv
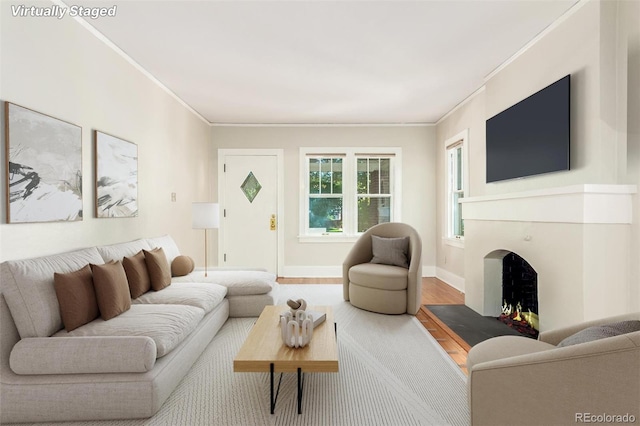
<point x="531" y="137"/>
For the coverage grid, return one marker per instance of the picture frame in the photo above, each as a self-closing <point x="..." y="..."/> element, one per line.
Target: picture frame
<point x="43" y="163"/>
<point x="116" y="176"/>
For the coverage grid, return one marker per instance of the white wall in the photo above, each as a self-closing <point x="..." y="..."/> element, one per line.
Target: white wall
<point x="418" y="178"/>
<point x="628" y="109"/>
<point x="574" y="47"/>
<point x="58" y="68"/>
<point x="599" y="45"/>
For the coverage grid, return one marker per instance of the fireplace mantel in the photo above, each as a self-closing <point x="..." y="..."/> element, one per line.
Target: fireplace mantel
<point x="589" y="203"/>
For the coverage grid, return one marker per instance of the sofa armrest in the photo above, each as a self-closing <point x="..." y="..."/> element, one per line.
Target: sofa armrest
<point x="556" y="385"/>
<point x="79" y="355"/>
<point x="556" y="336"/>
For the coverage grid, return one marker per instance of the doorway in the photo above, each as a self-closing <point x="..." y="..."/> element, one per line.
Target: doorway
<point x="250" y="187"/>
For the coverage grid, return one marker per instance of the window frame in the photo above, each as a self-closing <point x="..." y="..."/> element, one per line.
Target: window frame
<point x="460" y="140"/>
<point x="349" y="188"/>
<point x="327" y="195"/>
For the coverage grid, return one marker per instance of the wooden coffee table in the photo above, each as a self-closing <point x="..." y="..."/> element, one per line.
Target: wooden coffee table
<point x="264" y="351"/>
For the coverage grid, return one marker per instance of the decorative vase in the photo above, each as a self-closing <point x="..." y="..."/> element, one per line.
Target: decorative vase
<point x="297" y="330"/>
<point x="297" y="305"/>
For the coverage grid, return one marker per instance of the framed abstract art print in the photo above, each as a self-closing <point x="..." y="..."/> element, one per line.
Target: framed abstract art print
<point x="43" y="167"/>
<point x="116" y="165"/>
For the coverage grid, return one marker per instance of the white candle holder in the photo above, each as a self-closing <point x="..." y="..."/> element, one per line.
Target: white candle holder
<point x="296" y="330"/>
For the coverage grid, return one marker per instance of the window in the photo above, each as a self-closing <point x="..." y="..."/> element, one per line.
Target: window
<point x="454" y="155"/>
<point x="374" y="191"/>
<point x="347" y="191"/>
<point x="325" y="194"/>
<point x="456" y="162"/>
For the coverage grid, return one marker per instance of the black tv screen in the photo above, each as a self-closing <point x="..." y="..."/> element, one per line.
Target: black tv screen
<point x="532" y="137"/>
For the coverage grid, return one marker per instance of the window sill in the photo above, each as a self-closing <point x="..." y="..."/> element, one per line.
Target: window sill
<point x="327" y="238"/>
<point x="454" y="242"/>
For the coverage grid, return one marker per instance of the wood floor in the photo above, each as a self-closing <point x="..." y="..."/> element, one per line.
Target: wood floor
<point x="434" y="292"/>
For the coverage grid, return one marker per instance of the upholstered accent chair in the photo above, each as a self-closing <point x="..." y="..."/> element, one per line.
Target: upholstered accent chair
<point x="564" y="377"/>
<point x="383" y="271"/>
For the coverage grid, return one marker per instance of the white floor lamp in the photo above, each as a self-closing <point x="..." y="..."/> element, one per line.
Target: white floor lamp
<point x="205" y="216"/>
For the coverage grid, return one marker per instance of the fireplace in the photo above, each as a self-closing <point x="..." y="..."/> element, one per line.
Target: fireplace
<point x="577" y="239"/>
<point x="519" y="308"/>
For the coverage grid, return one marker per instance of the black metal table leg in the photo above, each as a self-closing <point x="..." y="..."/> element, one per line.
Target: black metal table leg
<point x="273" y="405"/>
<point x="300" y="388"/>
<point x="273" y="398"/>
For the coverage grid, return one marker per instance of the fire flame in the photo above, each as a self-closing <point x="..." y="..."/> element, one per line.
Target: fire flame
<point x="517" y="315"/>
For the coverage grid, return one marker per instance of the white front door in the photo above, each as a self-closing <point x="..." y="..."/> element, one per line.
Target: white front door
<point x="249" y="201"/>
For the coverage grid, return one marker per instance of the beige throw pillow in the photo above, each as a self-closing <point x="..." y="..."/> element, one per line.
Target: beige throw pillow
<point x="158" y="268"/>
<point x="136" y="269"/>
<point x="112" y="289"/>
<point x="181" y="266"/>
<point x="76" y="297"/>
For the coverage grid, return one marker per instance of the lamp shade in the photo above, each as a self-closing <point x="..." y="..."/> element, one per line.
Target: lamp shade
<point x="206" y="215"/>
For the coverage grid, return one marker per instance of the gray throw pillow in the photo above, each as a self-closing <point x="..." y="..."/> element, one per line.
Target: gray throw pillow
<point x="390" y="251"/>
<point x="600" y="332"/>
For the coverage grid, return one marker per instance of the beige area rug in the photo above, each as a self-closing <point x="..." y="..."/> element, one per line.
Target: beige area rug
<point x="392" y="372"/>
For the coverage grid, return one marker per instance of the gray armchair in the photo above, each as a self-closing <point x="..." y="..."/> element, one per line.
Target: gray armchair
<point x="380" y="287"/>
<point x="518" y="380"/>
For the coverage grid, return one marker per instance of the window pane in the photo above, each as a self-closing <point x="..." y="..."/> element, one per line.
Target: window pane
<point x="325" y="176"/>
<point x="372" y="211"/>
<point x="325" y="213"/>
<point x="374" y="175"/>
<point x="314" y="176"/>
<point x="458" y="168"/>
<point x="458" y="223"/>
<point x="363" y="180"/>
<point x="385" y="179"/>
<point x="336" y="187"/>
<point x="451" y="173"/>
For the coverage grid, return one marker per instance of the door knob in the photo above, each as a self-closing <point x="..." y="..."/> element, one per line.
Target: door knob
<point x="272" y="223"/>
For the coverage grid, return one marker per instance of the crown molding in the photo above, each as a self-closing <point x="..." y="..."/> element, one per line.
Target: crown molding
<point x="322" y="124"/>
<point x="566" y="15"/>
<point x="461" y="104"/>
<point x="130" y="60"/>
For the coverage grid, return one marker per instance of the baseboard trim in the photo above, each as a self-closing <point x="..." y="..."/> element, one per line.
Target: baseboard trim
<point x="428" y="271"/>
<point x="311" y="272"/>
<point x="331" y="271"/>
<point x="450" y="278"/>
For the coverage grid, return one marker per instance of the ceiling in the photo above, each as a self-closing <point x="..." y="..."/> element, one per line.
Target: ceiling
<point x="321" y="62"/>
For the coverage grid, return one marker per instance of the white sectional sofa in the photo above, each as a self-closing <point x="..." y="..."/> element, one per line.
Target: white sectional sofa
<point x="124" y="367"/>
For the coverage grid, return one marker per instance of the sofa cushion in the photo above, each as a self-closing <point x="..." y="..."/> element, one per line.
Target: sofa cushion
<point x="201" y="295"/>
<point x="383" y="277"/>
<point x="112" y="289"/>
<point x="181" y="266"/>
<point x="158" y="268"/>
<point x="121" y="250"/>
<point x="600" y="332"/>
<point x="390" y="251"/>
<point x="136" y="269"/>
<point x="83" y="355"/>
<point x="167" y="325"/>
<point x="167" y="244"/>
<point x="29" y="291"/>
<point x="76" y="297"/>
<point x="237" y="282"/>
